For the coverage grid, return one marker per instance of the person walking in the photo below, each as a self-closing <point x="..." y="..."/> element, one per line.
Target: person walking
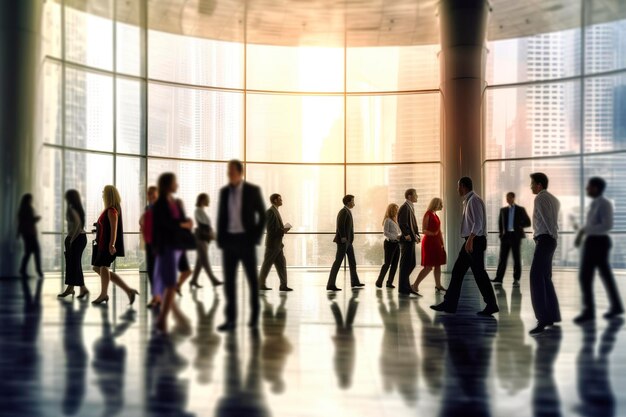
<point x="240" y="224"/>
<point x="410" y="238"/>
<point x="596" y="253"/>
<point x="274" y="254"/>
<point x="433" y="252"/>
<point x="391" y="246"/>
<point x="344" y="238"/>
<point x="109" y="245"/>
<point x="472" y="254"/>
<point x="75" y="243"/>
<point x="511" y="223"/>
<point x="204" y="236"/>
<point x="545" y="216"/>
<point x="184" y="268"/>
<point x="27" y="228"/>
<point x="145" y="226"/>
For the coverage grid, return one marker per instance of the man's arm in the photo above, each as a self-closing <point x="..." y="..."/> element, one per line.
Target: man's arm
<point x="273" y="225"/>
<point x="403" y="222"/>
<point x="525" y="219"/>
<point x="221" y="218"/>
<point x="260" y="211"/>
<point x="342" y="226"/>
<point x="501" y="223"/>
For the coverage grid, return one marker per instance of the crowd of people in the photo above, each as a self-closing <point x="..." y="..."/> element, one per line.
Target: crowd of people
<point x="243" y="219"/>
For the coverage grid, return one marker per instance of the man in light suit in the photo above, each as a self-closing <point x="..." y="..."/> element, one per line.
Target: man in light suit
<point x="410" y="237"/>
<point x="274" y="246"/>
<point x="344" y="237"/>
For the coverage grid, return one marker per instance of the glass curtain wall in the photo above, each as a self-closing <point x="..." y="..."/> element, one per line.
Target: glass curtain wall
<point x="556" y="103"/>
<point x="123" y="100"/>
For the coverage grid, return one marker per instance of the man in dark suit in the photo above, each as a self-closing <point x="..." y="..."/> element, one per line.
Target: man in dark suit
<point x="511" y="223"/>
<point x="240" y="224"/>
<point x="410" y="237"/>
<point x="274" y="246"/>
<point x="344" y="237"/>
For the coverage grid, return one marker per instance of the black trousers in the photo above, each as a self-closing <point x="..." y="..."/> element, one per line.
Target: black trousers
<point x="343" y="250"/>
<point x="407" y="265"/>
<point x="31" y="247"/>
<point x="509" y="242"/>
<point x="276" y="257"/>
<point x="542" y="292"/>
<point x="596" y="253"/>
<point x="392" y="256"/>
<point x="73" y="260"/>
<point x="150" y="258"/>
<point x="476" y="262"/>
<point x="237" y="248"/>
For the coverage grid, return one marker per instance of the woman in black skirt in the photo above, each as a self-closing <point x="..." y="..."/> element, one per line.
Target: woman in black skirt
<point x="109" y="245"/>
<point x="75" y="243"/>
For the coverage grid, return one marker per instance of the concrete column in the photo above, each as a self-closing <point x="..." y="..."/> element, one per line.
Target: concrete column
<point x="463" y="26"/>
<point x="19" y="52"/>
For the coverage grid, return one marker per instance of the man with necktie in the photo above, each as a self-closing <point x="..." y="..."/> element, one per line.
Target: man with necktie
<point x="410" y="237"/>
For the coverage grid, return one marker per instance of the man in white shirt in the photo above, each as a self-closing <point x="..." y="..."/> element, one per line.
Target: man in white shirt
<point x="545" y="218"/>
<point x="596" y="252"/>
<point x="472" y="254"/>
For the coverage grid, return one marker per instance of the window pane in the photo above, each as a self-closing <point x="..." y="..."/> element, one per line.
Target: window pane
<point x="133" y="252"/>
<point x="49" y="197"/>
<point x="130" y="180"/>
<point x="368" y="249"/>
<point x="89" y="32"/>
<point x="306" y="250"/>
<point x="566" y="256"/>
<point x="51" y="29"/>
<point x="128" y="36"/>
<point x="311" y="194"/>
<point x="403" y="128"/>
<point x="88" y="173"/>
<point x="190" y="123"/>
<point x="312" y="132"/>
<point x="605" y="113"/>
<point x="613" y="169"/>
<point x="190" y="60"/>
<point x="563" y="173"/>
<point x="605" y="41"/>
<point x="50" y="101"/>
<point x="374" y="187"/>
<point x="392" y="68"/>
<point x="129" y="116"/>
<point x="536" y="120"/>
<point x="298" y="69"/>
<point x="89" y="110"/>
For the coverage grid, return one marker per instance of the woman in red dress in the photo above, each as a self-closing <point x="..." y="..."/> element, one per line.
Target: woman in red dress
<point x="433" y="252"/>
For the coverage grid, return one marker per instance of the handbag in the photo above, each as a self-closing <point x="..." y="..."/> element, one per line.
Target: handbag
<point x="186" y="240"/>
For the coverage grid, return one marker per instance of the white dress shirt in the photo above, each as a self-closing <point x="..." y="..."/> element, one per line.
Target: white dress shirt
<point x="511" y="225"/>
<point x="474" y="215"/>
<point x="235" y="205"/>
<point x="599" y="218"/>
<point x="391" y="230"/>
<point x="546" y="215"/>
<point x="202" y="217"/>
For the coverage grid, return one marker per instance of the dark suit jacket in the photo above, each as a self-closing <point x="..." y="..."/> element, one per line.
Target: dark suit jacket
<point x="274" y="228"/>
<point x="406" y="217"/>
<point x="345" y="226"/>
<point x="165" y="228"/>
<point x="520" y="221"/>
<point x="252" y="214"/>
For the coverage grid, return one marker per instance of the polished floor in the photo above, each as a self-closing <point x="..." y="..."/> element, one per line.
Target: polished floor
<point x="364" y="353"/>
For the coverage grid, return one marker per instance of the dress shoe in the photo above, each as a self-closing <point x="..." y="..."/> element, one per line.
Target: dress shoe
<point x="66" y="293"/>
<point x="443" y="307"/>
<point x="611" y="314"/>
<point x="264" y="288"/>
<point x="194" y="284"/>
<point x="226" y="327"/>
<point x="516" y="283"/>
<point x="391" y="286"/>
<point x="583" y="318"/>
<point x="489" y="311"/>
<point x="99" y="301"/>
<point x="359" y="285"/>
<point x="285" y="289"/>
<point x="538" y="329"/>
<point x="333" y="289"/>
<point x="216" y="282"/>
<point x="379" y="284"/>
<point x="83" y="294"/>
<point x="131" y="296"/>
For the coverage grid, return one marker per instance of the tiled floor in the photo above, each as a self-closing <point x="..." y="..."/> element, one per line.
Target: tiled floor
<point x="363" y="353"/>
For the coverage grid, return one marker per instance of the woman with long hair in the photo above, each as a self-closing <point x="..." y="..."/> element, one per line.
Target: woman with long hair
<point x="109" y="245"/>
<point x="168" y="226"/>
<point x="75" y="243"/>
<point x="392" y="233"/>
<point x="204" y="236"/>
<point x="433" y="251"/>
<point x="27" y="229"/>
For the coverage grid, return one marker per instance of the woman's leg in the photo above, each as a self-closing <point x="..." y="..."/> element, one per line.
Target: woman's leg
<point x="438" y="277"/>
<point x="206" y="264"/>
<point x="420" y="277"/>
<point x="168" y="300"/>
<point x="105" y="277"/>
<point x="26" y="256"/>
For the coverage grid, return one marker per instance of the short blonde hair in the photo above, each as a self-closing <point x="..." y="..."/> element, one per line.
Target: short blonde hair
<point x="391" y="212"/>
<point x="111" y="197"/>
<point x="435" y="204"/>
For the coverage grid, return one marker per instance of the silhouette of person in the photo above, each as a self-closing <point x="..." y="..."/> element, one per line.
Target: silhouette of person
<point x="27" y="228"/>
<point x="76" y="358"/>
<point x="207" y="341"/>
<point x="276" y="347"/>
<point x="345" y="343"/>
<point x="545" y="396"/>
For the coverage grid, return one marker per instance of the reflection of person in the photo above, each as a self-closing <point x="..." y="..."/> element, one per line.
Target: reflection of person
<point x="433" y="252"/>
<point x="146" y="227"/>
<point x="274" y="246"/>
<point x="594" y="383"/>
<point x="207" y="341"/>
<point x="545" y="395"/>
<point x="344" y="238"/>
<point x="511" y="223"/>
<point x="433" y="349"/>
<point x="545" y="216"/>
<point x="410" y="237"/>
<point x="240" y="223"/>
<point x="345" y="343"/>
<point x="392" y="233"/>
<point x="75" y="243"/>
<point x="276" y="347"/>
<point x="76" y="358"/>
<point x="596" y="253"/>
<point x="110" y="245"/>
<point x="204" y="236"/>
<point x="27" y="229"/>
<point x="472" y="254"/>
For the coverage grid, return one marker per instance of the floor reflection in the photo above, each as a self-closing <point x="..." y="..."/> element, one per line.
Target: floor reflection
<point x="345" y="343"/>
<point x="207" y="341"/>
<point x="76" y="356"/>
<point x="276" y="347"/>
<point x="545" y="397"/>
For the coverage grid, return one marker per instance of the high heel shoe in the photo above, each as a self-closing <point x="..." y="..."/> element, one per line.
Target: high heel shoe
<point x="194" y="284"/>
<point x="66" y="293"/>
<point x="131" y="296"/>
<point x="440" y="289"/>
<point x="99" y="301"/>
<point x="216" y="282"/>
<point x="83" y="295"/>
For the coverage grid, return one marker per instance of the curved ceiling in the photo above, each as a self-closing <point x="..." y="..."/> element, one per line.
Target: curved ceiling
<point x="352" y="22"/>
